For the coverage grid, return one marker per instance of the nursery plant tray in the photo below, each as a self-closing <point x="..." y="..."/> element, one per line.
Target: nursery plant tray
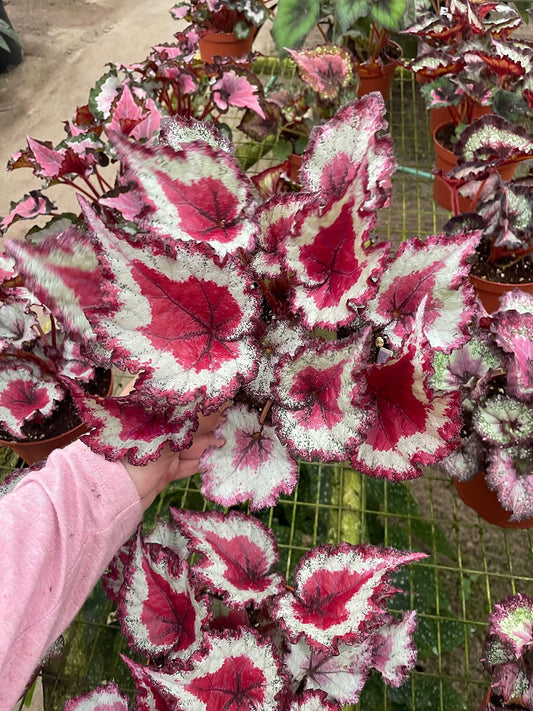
<point x="471" y="564"/>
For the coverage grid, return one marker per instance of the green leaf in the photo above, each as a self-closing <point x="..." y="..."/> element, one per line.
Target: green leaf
<point x="282" y="150"/>
<point x="348" y="12"/>
<point x="241" y="29"/>
<point x="293" y="22"/>
<point x="388" y="13"/>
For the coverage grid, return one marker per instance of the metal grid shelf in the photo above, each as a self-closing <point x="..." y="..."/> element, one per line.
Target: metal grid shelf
<point x="471" y="564"/>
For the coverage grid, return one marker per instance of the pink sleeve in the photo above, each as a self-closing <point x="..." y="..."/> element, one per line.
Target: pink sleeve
<point x="59" y="528"/>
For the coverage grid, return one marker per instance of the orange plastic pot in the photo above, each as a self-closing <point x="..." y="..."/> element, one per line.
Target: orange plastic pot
<point x="377" y="78"/>
<point x="33" y="451"/>
<point x="446" y="160"/>
<point x="441" y="116"/>
<point x="489" y="292"/>
<point x="224" y="44"/>
<point x="477" y="495"/>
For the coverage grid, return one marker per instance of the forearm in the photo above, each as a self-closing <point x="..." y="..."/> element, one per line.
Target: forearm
<point x="60" y="528"/>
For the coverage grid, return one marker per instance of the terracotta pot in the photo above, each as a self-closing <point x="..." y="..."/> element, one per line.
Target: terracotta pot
<point x="446" y="160"/>
<point x="224" y="44"/>
<point x="36" y="450"/>
<point x="295" y="163"/>
<point x="489" y="292"/>
<point x="376" y="78"/>
<point x="439" y="117"/>
<point x="477" y="495"/>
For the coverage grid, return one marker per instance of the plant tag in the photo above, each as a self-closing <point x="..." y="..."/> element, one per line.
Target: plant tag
<point x="383" y="355"/>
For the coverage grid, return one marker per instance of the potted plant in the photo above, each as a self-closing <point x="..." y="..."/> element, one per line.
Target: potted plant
<point x="40" y="368"/>
<point x="507" y="651"/>
<point x="225" y="28"/>
<point x="493" y="468"/>
<point x="470" y="65"/>
<point x="500" y="209"/>
<point x="363" y="28"/>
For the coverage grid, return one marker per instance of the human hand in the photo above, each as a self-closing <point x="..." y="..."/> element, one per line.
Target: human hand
<point x="151" y="479"/>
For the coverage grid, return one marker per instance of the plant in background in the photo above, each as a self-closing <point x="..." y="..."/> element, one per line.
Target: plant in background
<point x="502" y="210"/>
<point x="40" y="365"/>
<point x="325" y="81"/>
<point x="200" y="601"/>
<point x="131" y="101"/>
<point x="242" y="17"/>
<point x="363" y="27"/>
<point x="508" y="654"/>
<point x="494" y="373"/>
<point x="469" y="61"/>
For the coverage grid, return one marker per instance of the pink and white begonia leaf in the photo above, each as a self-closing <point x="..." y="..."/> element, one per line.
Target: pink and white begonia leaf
<point x="26" y="393"/>
<point x="279" y="340"/>
<point x="394" y="653"/>
<point x="29" y="207"/>
<point x="503" y="420"/>
<point x="467" y="461"/>
<point x="122" y="427"/>
<point x="276" y="218"/>
<point x="469" y="368"/>
<point x="197" y="196"/>
<point x="113" y="576"/>
<point x="436" y="268"/>
<point x="332" y="265"/>
<point x="513" y="331"/>
<point x="251" y="466"/>
<point x="341" y="673"/>
<point x="313" y="700"/>
<point x="148" y="695"/>
<point x="18" y="325"/>
<point x="354" y="141"/>
<point x="511" y="622"/>
<point x="238" y="555"/>
<point x="46" y="160"/>
<point x="412" y="426"/>
<point x="167" y="534"/>
<point x="509" y="474"/>
<point x="104" y="93"/>
<point x="326" y="68"/>
<point x="105" y="698"/>
<point x="232" y="89"/>
<point x="185" y="321"/>
<point x="178" y="130"/>
<point x="64" y="273"/>
<point x="72" y="363"/>
<point x="159" y="610"/>
<point x="125" y="200"/>
<point x="131" y="117"/>
<point x="314" y="392"/>
<point x="239" y="671"/>
<point x="339" y="593"/>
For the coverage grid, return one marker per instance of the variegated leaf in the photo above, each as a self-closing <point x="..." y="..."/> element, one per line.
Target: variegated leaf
<point x="238" y="555"/>
<point x="251" y="466"/>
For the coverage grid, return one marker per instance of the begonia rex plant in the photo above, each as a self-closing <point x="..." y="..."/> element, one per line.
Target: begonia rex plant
<point x="501" y="209"/>
<point x="469" y="60"/>
<point x="220" y="295"/>
<point x="494" y="373"/>
<point x="242" y="17"/>
<point x="323" y="339"/>
<point x="508" y="654"/>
